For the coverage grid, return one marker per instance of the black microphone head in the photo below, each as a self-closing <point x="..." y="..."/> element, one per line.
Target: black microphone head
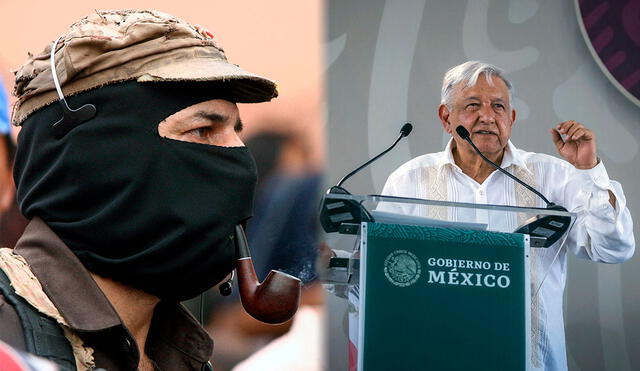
<point x="226" y="288"/>
<point x="72" y="118"/>
<point x="462" y="132"/>
<point x="406" y="129"/>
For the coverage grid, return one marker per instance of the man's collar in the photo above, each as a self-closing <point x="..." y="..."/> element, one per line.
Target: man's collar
<point x="448" y="155"/>
<point x="84" y="306"/>
<point x="511" y="157"/>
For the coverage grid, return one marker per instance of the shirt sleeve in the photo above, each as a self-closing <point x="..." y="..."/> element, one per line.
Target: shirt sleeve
<point x="601" y="232"/>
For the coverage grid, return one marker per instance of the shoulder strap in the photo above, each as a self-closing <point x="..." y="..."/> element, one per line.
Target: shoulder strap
<point x="42" y="335"/>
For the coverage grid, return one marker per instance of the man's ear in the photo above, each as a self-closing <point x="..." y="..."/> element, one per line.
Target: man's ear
<point x="443" y="114"/>
<point x="513" y="117"/>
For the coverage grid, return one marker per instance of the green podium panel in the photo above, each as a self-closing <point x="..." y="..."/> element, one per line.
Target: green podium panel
<point x="443" y="299"/>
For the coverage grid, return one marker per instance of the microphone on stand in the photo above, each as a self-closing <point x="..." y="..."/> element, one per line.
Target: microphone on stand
<point x="404" y="131"/>
<point x="548" y="227"/>
<point x="336" y="214"/>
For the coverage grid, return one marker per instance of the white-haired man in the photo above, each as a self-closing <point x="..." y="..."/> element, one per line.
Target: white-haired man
<point x="478" y="96"/>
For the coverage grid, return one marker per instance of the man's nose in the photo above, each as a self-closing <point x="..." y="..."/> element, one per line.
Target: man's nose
<point x="234" y="140"/>
<point x="486" y="114"/>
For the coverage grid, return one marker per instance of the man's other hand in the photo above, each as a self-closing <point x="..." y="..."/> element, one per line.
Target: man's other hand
<point x="578" y="146"/>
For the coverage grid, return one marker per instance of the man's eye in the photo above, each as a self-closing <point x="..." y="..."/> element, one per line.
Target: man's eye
<point x="202" y="132"/>
<point x="499" y="106"/>
<point x="473" y="105"/>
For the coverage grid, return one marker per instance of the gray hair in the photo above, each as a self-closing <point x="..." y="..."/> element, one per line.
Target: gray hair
<point x="468" y="73"/>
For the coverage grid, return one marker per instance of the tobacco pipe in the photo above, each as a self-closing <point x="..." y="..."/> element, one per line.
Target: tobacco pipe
<point x="273" y="301"/>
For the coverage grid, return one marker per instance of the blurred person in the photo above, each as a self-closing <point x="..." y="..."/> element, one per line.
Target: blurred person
<point x="12" y="223"/>
<point x="300" y="349"/>
<point x="283" y="230"/>
<point x="13" y="360"/>
<point x="283" y="235"/>
<point x="132" y="203"/>
<point x="7" y="149"/>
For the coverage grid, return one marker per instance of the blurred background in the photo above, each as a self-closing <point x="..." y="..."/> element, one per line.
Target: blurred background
<point x="281" y="40"/>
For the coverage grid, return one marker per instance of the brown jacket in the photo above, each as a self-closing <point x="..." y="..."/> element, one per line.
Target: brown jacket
<point x="175" y="341"/>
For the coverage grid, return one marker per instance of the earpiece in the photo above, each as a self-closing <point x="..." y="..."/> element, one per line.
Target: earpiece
<point x="70" y="117"/>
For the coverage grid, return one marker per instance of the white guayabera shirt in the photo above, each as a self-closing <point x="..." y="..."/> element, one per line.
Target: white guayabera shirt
<point x="601" y="232"/>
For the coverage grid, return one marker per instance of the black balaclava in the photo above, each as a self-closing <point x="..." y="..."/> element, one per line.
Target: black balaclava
<point x="151" y="212"/>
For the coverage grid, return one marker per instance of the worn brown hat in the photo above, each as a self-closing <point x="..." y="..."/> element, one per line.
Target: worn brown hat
<point x="108" y="47"/>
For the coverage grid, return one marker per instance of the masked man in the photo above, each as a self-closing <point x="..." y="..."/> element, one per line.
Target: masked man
<point x="477" y="96"/>
<point x="133" y="206"/>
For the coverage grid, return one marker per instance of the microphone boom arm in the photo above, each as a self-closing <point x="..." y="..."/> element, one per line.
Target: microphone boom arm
<point x="509" y="174"/>
<point x="548" y="228"/>
<point x="404" y="131"/>
<point x="370" y="161"/>
<point x="334" y="214"/>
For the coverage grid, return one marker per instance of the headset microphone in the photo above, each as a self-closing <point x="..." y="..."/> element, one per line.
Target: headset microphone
<point x="226" y="287"/>
<point x="70" y="117"/>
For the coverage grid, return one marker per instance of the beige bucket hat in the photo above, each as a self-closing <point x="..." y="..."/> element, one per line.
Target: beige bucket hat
<point x="144" y="45"/>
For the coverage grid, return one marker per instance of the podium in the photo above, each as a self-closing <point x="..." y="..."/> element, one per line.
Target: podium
<point x="435" y="285"/>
